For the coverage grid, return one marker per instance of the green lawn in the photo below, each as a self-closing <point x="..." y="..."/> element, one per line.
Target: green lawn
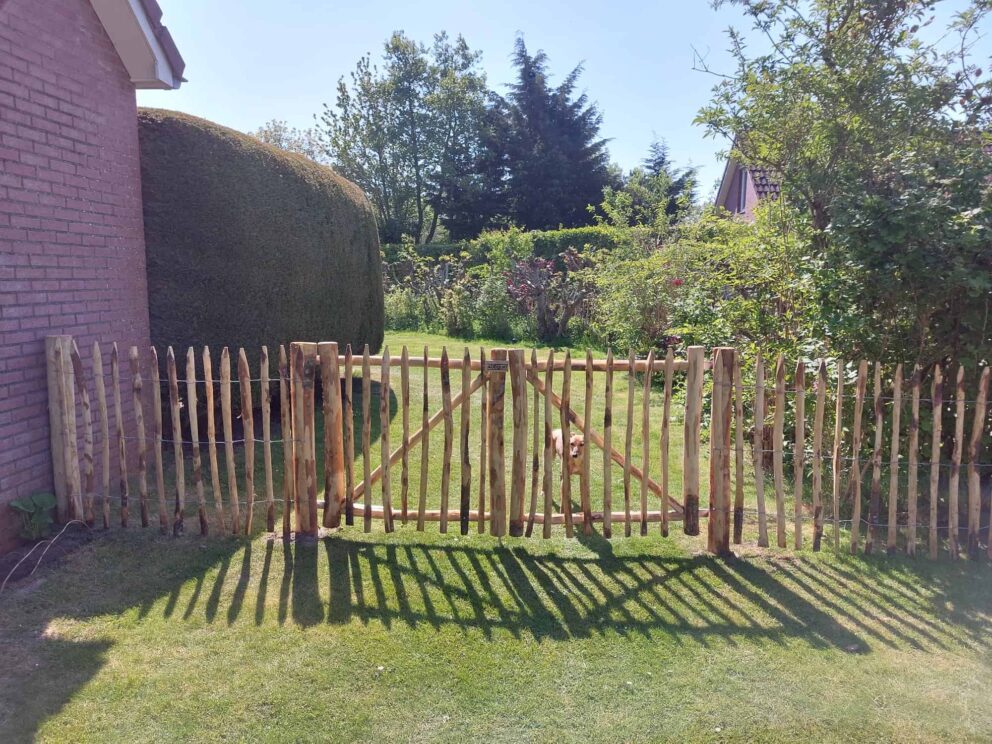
<point x="422" y="636"/>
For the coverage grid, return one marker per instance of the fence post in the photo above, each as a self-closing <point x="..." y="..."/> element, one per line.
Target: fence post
<point x="494" y="425"/>
<point x="718" y="528"/>
<point x="690" y="452"/>
<point x="519" y="461"/>
<point x="334" y="491"/>
<point x="62" y="425"/>
<point x="304" y="361"/>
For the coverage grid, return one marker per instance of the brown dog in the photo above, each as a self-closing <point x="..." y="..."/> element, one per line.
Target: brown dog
<point x="576" y="445"/>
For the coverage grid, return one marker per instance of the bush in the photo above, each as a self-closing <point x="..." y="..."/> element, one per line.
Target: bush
<point x="494" y="311"/>
<point x="250" y="245"/>
<point x="457" y="311"/>
<point x="35" y="513"/>
<point x="403" y="310"/>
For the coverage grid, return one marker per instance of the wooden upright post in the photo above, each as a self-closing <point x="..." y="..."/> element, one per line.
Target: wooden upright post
<point x="62" y="425"/>
<point x="718" y="529"/>
<point x="494" y="424"/>
<point x="304" y="361"/>
<point x="518" y="472"/>
<point x="334" y="477"/>
<point x="690" y="451"/>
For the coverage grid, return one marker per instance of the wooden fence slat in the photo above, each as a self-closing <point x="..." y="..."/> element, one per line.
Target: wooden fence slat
<point x="57" y="422"/>
<point x="179" y="511"/>
<point x="163" y="517"/>
<point x="348" y="414"/>
<point x="248" y="425"/>
<point x="497" y="462"/>
<point x="208" y="381"/>
<point x="101" y="403"/>
<point x="974" y="481"/>
<point x="367" y="439"/>
<point x="738" y="452"/>
<point x="302" y="384"/>
<point x="874" y="503"/>
<point x="88" y="473"/>
<point x="799" y="454"/>
<point x="691" y="447"/>
<point x="666" y="439"/>
<point x="518" y="462"/>
<point x="194" y="429"/>
<point x="628" y="443"/>
<point x="893" y="526"/>
<point x="405" y="420"/>
<point x="334" y="464"/>
<point x="955" y="479"/>
<point x="586" y="496"/>
<point x="857" y="473"/>
<point x="566" y="478"/>
<point x="424" y="452"/>
<point x="233" y="498"/>
<point x="115" y="374"/>
<point x="646" y="441"/>
<point x="266" y="395"/>
<point x="818" y="416"/>
<point x="535" y="464"/>
<point x="288" y="444"/>
<point x="757" y="448"/>
<point x="838" y="469"/>
<point x="937" y="396"/>
<point x="70" y="502"/>
<point x="448" y="437"/>
<point x="608" y="445"/>
<point x="548" y="447"/>
<point x="718" y="527"/>
<point x="387" y="497"/>
<point x="778" y="435"/>
<point x="912" y="466"/>
<point x="465" y="418"/>
<point x="484" y="440"/>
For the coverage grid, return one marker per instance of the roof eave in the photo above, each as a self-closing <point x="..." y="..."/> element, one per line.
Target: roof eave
<point x="145" y="46"/>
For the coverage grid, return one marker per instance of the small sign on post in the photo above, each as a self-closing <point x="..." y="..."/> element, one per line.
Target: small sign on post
<point x="497" y="365"/>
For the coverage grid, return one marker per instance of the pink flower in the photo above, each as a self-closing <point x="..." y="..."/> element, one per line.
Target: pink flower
<point x="677" y="282"/>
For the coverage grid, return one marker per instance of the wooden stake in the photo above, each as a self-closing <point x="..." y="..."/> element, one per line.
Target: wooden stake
<point x="88" y="473"/>
<point x="367" y="440"/>
<point x="549" y="452"/>
<point x="334" y="464"/>
<point x="405" y="463"/>
<point x="646" y="441"/>
<point x="115" y="374"/>
<point x="465" y="417"/>
<point x="778" y="435"/>
<point x="937" y="396"/>
<point x="248" y="424"/>
<point x="535" y="464"/>
<point x="913" y="465"/>
<point x="302" y="383"/>
<point x="70" y="502"/>
<point x="179" y="512"/>
<point x="139" y="422"/>
<point x="208" y="379"/>
<point x="518" y="462"/>
<point x="163" y="518"/>
<point x="57" y="425"/>
<point x="757" y="447"/>
<point x="348" y="414"/>
<point x="425" y="452"/>
<point x="585" y="495"/>
<point x="484" y="439"/>
<point x="497" y="462"/>
<point x="628" y="443"/>
<point x="799" y="455"/>
<point x="838" y="468"/>
<point x="233" y="499"/>
<point x="387" y="500"/>
<point x="738" y="451"/>
<point x="856" y="472"/>
<point x="892" y="532"/>
<point x="266" y="395"/>
<point x="194" y="429"/>
<point x="566" y="478"/>
<point x="974" y="481"/>
<point x="955" y="480"/>
<point x="288" y="444"/>
<point x="718" y="528"/>
<point x="874" y="504"/>
<point x="449" y="427"/>
<point x="818" y="416"/>
<point x="608" y="440"/>
<point x="666" y="439"/>
<point x="691" y="446"/>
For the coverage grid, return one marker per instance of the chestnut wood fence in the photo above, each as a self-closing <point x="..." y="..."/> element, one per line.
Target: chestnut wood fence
<point x="508" y="480"/>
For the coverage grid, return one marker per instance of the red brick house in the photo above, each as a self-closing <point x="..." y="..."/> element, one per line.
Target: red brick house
<point x="741" y="188"/>
<point x="72" y="251"/>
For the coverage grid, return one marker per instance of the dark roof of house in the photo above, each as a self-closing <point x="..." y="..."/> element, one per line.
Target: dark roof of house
<point x="154" y="13"/>
<point x="764" y="182"/>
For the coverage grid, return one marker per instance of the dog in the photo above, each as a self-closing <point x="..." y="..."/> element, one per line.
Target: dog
<point x="576" y="447"/>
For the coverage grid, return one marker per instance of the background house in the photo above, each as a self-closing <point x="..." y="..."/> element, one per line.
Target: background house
<point x="741" y="188"/>
<point x="72" y="250"/>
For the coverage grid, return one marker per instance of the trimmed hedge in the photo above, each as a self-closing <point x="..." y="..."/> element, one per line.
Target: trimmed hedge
<point x="249" y="245"/>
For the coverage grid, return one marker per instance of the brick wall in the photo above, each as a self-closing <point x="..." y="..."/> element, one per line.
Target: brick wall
<point x="72" y="256"/>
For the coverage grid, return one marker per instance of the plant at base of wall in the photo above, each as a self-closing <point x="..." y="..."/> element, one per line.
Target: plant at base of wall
<point x="35" y="512"/>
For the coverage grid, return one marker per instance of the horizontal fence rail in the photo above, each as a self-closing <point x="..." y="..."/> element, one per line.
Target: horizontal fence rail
<point x="876" y="450"/>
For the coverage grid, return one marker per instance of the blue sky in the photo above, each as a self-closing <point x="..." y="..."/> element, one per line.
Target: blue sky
<point x="249" y="61"/>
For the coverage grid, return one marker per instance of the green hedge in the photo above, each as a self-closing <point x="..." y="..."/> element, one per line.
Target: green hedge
<point x="250" y="245"/>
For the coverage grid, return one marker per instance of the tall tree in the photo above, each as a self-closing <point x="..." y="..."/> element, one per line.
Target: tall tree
<point x="404" y="132"/>
<point x="876" y="130"/>
<point x="303" y="141"/>
<point x="557" y="162"/>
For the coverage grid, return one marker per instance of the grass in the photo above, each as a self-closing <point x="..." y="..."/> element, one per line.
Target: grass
<point x="421" y="636"/>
